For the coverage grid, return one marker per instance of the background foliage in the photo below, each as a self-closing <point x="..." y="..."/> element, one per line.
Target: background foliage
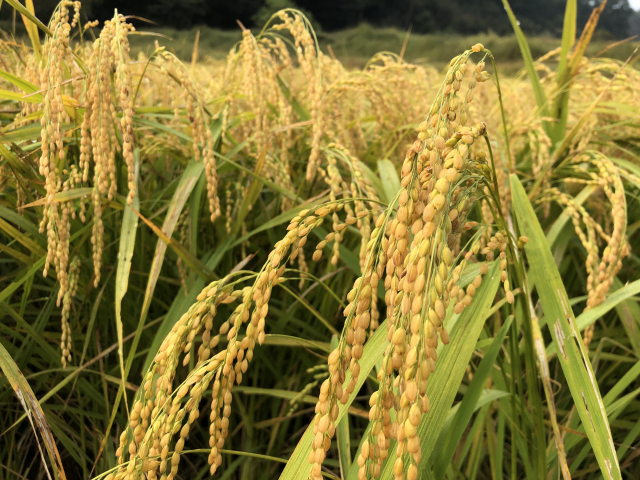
<point x="466" y="17"/>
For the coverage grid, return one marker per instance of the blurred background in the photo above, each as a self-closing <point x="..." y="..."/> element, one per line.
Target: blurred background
<point x="538" y="17"/>
<point x="356" y="29"/>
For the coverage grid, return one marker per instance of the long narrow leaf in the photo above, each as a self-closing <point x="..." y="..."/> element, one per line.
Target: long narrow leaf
<point x="467" y="406"/>
<point x="538" y="91"/>
<point x="568" y="67"/>
<point x="629" y="313"/>
<point x="125" y="253"/>
<point x="34" y="412"/>
<point x="188" y="181"/>
<point x="543" y="365"/>
<point x="389" y="179"/>
<point x="628" y="291"/>
<point x="32" y="30"/>
<point x="568" y="33"/>
<point x="562" y="325"/>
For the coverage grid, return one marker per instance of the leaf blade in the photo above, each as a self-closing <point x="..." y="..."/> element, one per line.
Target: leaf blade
<point x="467" y="405"/>
<point x="538" y="91"/>
<point x="573" y="359"/>
<point x="125" y="253"/>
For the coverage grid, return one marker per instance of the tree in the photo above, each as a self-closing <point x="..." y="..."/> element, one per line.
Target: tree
<point x="262" y="16"/>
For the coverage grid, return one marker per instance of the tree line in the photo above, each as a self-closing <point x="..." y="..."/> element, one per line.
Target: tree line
<point x="537" y="17"/>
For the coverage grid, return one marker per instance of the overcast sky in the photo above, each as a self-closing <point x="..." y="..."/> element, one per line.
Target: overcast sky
<point x="635" y="4"/>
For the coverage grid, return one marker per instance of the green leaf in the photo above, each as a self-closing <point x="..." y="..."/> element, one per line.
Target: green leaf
<point x="543" y="367"/>
<point x="621" y="295"/>
<point x="389" y="179"/>
<point x="15" y="163"/>
<point x="565" y="140"/>
<point x="188" y="181"/>
<point x="27" y="242"/>
<point x="29" y="132"/>
<point x="163" y="128"/>
<point x="376" y="183"/>
<point x="250" y="197"/>
<point x="14" y="217"/>
<point x="19" y="97"/>
<point x="562" y="325"/>
<point x="32" y="30"/>
<point x="631" y="376"/>
<point x="52" y="355"/>
<point x="303" y="114"/>
<point x="568" y="33"/>
<point x="256" y="175"/>
<point x="538" y="91"/>
<point x="568" y="67"/>
<point x="189" y="259"/>
<point x="195" y="207"/>
<point x="486" y="396"/>
<point x="629" y="440"/>
<point x="125" y="253"/>
<point x="64" y="196"/>
<point x="629" y="313"/>
<point x="291" y="341"/>
<point x="590" y="316"/>
<point x="21" y="83"/>
<point x="468" y="403"/>
<point x="34" y="412"/>
<point x="564" y="75"/>
<point x="278" y="220"/>
<point x="16" y="254"/>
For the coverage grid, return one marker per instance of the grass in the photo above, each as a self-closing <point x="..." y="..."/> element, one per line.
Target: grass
<point x="321" y="260"/>
<point x="354" y="47"/>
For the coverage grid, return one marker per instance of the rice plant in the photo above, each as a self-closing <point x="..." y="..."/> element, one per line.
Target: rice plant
<point x="274" y="266"/>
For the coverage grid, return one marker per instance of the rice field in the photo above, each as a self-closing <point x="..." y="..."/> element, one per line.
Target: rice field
<point x="275" y="265"/>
